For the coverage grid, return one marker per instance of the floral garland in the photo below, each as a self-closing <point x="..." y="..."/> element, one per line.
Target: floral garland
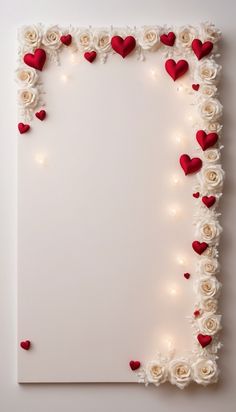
<point x="194" y="44"/>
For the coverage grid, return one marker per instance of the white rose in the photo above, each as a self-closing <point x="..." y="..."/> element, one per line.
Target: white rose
<point x="185" y="36"/>
<point x="52" y="38"/>
<point x="209" y="305"/>
<point x="28" y="97"/>
<point x="205" y="371"/>
<point x="208" y="287"/>
<point x="211" y="155"/>
<point x="208" y="71"/>
<point x="149" y="37"/>
<point x="85" y="40"/>
<point x="27" y="76"/>
<point x="31" y="36"/>
<point x="210" y="33"/>
<point x="208" y="90"/>
<point x="211" y="252"/>
<point x="214" y="127"/>
<point x="156" y="372"/>
<point x="210" y="109"/>
<point x="208" y="230"/>
<point x="211" y="178"/>
<point x="208" y="267"/>
<point x="209" y="324"/>
<point x="102" y="40"/>
<point x="180" y="373"/>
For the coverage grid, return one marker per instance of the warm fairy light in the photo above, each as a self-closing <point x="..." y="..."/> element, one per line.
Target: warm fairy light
<point x="173" y="211"/>
<point x="153" y="73"/>
<point x="190" y="118"/>
<point x="168" y="342"/>
<point x="180" y="88"/>
<point x="181" y="260"/>
<point x="172" y="290"/>
<point x="41" y="159"/>
<point x="175" y="180"/>
<point x="64" y="78"/>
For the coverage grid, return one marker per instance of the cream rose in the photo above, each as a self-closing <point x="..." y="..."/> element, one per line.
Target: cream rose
<point x="208" y="287"/>
<point x="149" y="37"/>
<point x="209" y="324"/>
<point x="102" y="41"/>
<point x="208" y="267"/>
<point x="209" y="305"/>
<point x="31" y="37"/>
<point x="208" y="230"/>
<point x="214" y="127"/>
<point x="27" y="76"/>
<point x="211" y="155"/>
<point x="210" y="109"/>
<point x="205" y="371"/>
<point x="156" y="372"/>
<point x="211" y="178"/>
<point x="208" y="72"/>
<point x="28" y="97"/>
<point x="185" y="36"/>
<point x="85" y="40"/>
<point x="180" y="373"/>
<point x="51" y="38"/>
<point x="208" y="90"/>
<point x="210" y="32"/>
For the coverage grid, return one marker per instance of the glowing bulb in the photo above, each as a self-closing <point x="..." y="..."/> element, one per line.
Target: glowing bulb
<point x="181" y="260"/>
<point x="190" y="118"/>
<point x="153" y="73"/>
<point x="172" y="291"/>
<point x="41" y="159"/>
<point x="64" y="78"/>
<point x="175" y="180"/>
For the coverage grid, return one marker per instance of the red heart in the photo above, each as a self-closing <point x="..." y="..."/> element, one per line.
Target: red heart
<point x="197" y="313"/>
<point x="187" y="275"/>
<point x="196" y="195"/>
<point x="168" y="39"/>
<point x="66" y="39"/>
<point x="25" y="344"/>
<point x="206" y="140"/>
<point x="41" y="115"/>
<point x="176" y="70"/>
<point x="195" y="86"/>
<point x="36" y="60"/>
<point x="123" y="46"/>
<point x="90" y="56"/>
<point x="199" y="247"/>
<point x="204" y="340"/>
<point x="134" y="365"/>
<point x="23" y="128"/>
<point x="190" y="165"/>
<point x="201" y="49"/>
<point x="208" y="200"/>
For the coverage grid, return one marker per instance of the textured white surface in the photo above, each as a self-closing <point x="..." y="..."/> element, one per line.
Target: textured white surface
<point x="104" y="397"/>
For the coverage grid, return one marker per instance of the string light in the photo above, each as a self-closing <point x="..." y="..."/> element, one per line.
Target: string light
<point x="41" y="159"/>
<point x="181" y="260"/>
<point x="174" y="211"/>
<point x="172" y="290"/>
<point x="175" y="180"/>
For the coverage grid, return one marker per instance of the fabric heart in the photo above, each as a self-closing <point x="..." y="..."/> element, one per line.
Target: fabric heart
<point x="196" y="195"/>
<point x="190" y="165"/>
<point x="196" y="313"/>
<point x="66" y="39"/>
<point x="206" y="140"/>
<point x="25" y="344"/>
<point x="23" y="128"/>
<point x="199" y="247"/>
<point x="168" y="39"/>
<point x="201" y="49"/>
<point x="187" y="275"/>
<point x="195" y="86"/>
<point x="134" y="365"/>
<point x="41" y="114"/>
<point x="208" y="200"/>
<point x="123" y="46"/>
<point x="36" y="60"/>
<point x="176" y="70"/>
<point x="204" y="340"/>
<point x="90" y="56"/>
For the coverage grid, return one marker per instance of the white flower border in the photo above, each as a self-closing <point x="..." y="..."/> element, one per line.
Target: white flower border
<point x="199" y="365"/>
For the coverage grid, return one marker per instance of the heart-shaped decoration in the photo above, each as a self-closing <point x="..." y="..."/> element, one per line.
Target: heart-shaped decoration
<point x="197" y="313"/>
<point x="25" y="344"/>
<point x="196" y="195"/>
<point x="66" y="39"/>
<point x="204" y="340"/>
<point x="176" y="70"/>
<point x="90" y="56"/>
<point x="195" y="86"/>
<point x="123" y="46"/>
<point x="187" y="275"/>
<point x="168" y="39"/>
<point x="206" y="140"/>
<point x="208" y="200"/>
<point x="23" y="128"/>
<point x="36" y="60"/>
<point x="41" y="114"/>
<point x="190" y="165"/>
<point x="134" y="365"/>
<point x="199" y="247"/>
<point x="201" y="49"/>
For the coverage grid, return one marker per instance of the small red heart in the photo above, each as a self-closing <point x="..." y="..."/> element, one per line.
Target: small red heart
<point x="168" y="39"/>
<point x="41" y="114"/>
<point x="25" y="344"/>
<point x="23" y="128"/>
<point x="123" y="46"/>
<point x="208" y="200"/>
<point x="66" y="39"/>
<point x="176" y="70"/>
<point x="196" y="195"/>
<point x="134" y="365"/>
<point x="201" y="49"/>
<point x="187" y="275"/>
<point x="204" y="340"/>
<point x="197" y="313"/>
<point x="90" y="56"/>
<point x="190" y="165"/>
<point x="36" y="60"/>
<point x="195" y="86"/>
<point x="206" y="140"/>
<point x="199" y="247"/>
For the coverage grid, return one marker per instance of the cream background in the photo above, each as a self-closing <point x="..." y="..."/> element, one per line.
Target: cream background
<point x="104" y="397"/>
